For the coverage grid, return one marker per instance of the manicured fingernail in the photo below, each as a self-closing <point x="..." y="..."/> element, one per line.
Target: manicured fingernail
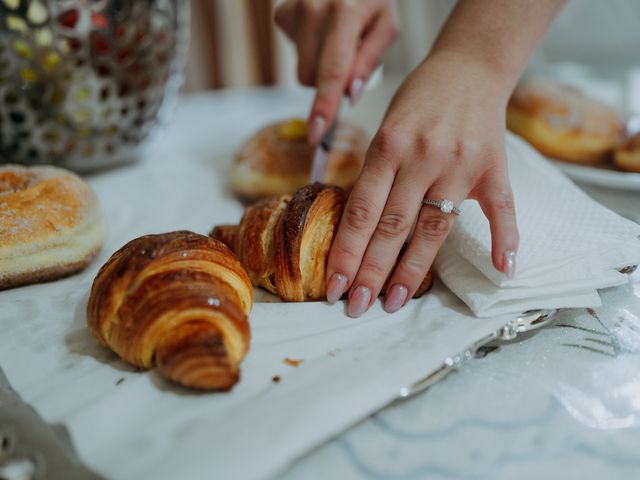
<point x="359" y="301"/>
<point x="336" y="287"/>
<point x="316" y="129"/>
<point x="509" y="264"/>
<point x="355" y="89"/>
<point x="395" y="298"/>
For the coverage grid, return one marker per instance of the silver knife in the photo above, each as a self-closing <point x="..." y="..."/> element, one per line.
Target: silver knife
<point x="321" y="154"/>
<point x="29" y="448"/>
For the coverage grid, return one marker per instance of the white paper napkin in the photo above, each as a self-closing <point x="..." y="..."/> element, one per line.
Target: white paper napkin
<point x="570" y="245"/>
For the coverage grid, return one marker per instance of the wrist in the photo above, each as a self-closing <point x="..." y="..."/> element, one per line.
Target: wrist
<point x="474" y="71"/>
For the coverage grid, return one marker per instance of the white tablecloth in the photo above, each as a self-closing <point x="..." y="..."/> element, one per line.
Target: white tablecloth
<point x="514" y="412"/>
<point x="131" y="425"/>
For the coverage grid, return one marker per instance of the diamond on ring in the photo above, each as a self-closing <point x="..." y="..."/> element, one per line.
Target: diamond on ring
<point x="445" y="206"/>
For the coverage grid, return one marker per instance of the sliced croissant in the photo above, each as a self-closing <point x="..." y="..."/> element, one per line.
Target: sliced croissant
<point x="283" y="242"/>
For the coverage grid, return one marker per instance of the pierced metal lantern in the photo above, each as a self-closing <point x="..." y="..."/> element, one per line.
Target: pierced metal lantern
<point x="82" y="82"/>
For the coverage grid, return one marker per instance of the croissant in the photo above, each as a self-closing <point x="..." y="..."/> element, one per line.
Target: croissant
<point x="178" y="299"/>
<point x="283" y="242"/>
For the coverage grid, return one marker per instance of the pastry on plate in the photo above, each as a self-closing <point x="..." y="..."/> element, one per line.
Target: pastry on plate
<point x="277" y="159"/>
<point x="283" y="242"/>
<point x="178" y="300"/>
<point x="51" y="224"/>
<point x="562" y="122"/>
<point x="627" y="154"/>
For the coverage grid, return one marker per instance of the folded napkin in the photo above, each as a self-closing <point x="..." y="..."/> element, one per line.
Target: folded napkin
<point x="570" y="245"/>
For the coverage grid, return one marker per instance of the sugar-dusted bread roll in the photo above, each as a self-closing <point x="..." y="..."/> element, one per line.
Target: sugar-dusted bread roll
<point x="562" y="122"/>
<point x="277" y="159"/>
<point x="51" y="224"/>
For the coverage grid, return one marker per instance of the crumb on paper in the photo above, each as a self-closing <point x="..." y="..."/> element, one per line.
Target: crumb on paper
<point x="292" y="362"/>
<point x="120" y="380"/>
<point x="275" y="379"/>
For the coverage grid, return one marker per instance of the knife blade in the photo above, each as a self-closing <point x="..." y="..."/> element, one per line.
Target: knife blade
<point x="321" y="154"/>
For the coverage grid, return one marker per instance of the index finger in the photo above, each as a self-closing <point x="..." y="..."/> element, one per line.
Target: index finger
<point x="336" y="62"/>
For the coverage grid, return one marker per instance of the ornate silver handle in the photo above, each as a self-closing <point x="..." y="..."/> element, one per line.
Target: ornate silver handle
<point x="527" y="322"/>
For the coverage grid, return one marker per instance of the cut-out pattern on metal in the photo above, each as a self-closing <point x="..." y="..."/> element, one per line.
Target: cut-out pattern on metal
<point x="83" y="81"/>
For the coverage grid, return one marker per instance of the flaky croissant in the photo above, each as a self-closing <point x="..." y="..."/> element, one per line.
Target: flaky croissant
<point x="283" y="242"/>
<point x="179" y="299"/>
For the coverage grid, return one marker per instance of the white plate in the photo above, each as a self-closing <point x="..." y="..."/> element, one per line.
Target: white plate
<point x="600" y="176"/>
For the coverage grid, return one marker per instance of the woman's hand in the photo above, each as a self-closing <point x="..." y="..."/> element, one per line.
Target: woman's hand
<point x="339" y="43"/>
<point x="442" y="138"/>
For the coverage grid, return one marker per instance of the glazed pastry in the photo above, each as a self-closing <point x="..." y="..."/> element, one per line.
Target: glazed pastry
<point x="51" y="224"/>
<point x="277" y="160"/>
<point x="283" y="242"/>
<point x="179" y="300"/>
<point x="562" y="122"/>
<point x="627" y="155"/>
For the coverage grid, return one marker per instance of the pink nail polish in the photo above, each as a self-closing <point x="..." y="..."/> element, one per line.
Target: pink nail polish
<point x="355" y="89"/>
<point x="359" y="301"/>
<point x="316" y="129"/>
<point x="509" y="264"/>
<point x="336" y="287"/>
<point x="395" y="298"/>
